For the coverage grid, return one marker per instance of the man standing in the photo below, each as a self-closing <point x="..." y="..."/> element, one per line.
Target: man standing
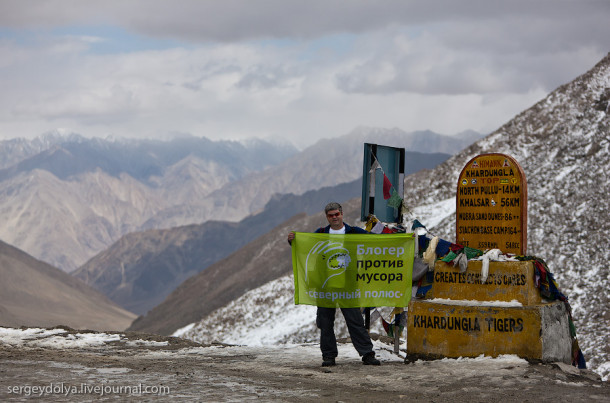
<point x="325" y="317"/>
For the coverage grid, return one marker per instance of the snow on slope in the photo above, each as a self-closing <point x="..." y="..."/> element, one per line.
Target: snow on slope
<point x="265" y="315"/>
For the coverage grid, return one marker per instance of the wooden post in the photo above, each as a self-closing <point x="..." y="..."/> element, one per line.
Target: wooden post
<point x="397" y="333"/>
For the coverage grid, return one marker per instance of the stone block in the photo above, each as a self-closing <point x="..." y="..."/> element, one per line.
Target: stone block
<point x="538" y="332"/>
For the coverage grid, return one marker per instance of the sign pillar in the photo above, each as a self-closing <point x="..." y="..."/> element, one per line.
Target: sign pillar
<point x="491" y="204"/>
<point x="491" y="213"/>
<point x="380" y="161"/>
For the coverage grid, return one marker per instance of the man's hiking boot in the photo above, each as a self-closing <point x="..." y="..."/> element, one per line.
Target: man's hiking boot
<point x="369" y="359"/>
<point x="328" y="361"/>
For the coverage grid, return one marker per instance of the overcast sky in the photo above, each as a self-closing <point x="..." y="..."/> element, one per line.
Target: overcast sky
<point x="297" y="70"/>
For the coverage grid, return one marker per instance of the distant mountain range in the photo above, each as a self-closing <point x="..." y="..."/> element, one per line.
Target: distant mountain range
<point x="68" y="197"/>
<point x="64" y="198"/>
<point x="563" y="145"/>
<point x="144" y="160"/>
<point x="33" y="293"/>
<point x="329" y="162"/>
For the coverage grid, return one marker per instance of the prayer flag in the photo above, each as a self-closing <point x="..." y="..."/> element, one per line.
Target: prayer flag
<point x="387" y="187"/>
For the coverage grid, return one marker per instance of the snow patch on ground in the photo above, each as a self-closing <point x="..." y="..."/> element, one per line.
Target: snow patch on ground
<point x="58" y="339"/>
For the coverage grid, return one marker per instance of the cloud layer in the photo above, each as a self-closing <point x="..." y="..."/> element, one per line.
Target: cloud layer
<point x="291" y="69"/>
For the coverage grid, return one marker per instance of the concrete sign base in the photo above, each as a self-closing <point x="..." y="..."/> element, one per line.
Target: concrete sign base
<point x="539" y="332"/>
<point x="503" y="315"/>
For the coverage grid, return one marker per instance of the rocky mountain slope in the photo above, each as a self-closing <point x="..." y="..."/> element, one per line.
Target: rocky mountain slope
<point x="33" y="293"/>
<point x="142" y="268"/>
<point x="562" y="143"/>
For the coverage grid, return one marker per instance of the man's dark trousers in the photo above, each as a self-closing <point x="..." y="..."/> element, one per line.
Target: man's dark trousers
<point x="325" y="319"/>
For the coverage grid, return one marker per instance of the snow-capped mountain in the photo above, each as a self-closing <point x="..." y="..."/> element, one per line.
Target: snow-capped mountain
<point x="562" y="144"/>
<point x="16" y="150"/>
<point x="329" y="162"/>
<point x="64" y="197"/>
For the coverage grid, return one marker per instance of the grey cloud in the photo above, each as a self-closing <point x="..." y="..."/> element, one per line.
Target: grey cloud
<point x="467" y="73"/>
<point x="209" y="71"/>
<point x="118" y="105"/>
<point x="265" y="77"/>
<point x="234" y="20"/>
<point x="485" y="46"/>
<point x="509" y="53"/>
<point x="519" y="48"/>
<point x="260" y="79"/>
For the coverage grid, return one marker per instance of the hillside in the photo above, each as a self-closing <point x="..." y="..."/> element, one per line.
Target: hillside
<point x="142" y="268"/>
<point x="260" y="261"/>
<point x="562" y="143"/>
<point x="224" y="281"/>
<point x="33" y="293"/>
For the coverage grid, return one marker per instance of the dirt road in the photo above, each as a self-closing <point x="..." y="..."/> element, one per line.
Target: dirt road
<point x="68" y="365"/>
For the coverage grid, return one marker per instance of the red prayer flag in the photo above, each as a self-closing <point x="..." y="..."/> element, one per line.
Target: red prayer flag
<point x="387" y="186"/>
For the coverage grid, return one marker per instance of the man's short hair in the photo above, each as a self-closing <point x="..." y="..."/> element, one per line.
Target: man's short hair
<point x="333" y="206"/>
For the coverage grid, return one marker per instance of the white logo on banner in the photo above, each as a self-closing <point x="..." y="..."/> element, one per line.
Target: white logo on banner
<point x="337" y="262"/>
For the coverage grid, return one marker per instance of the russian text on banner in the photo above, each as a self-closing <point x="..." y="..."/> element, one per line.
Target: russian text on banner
<point x="350" y="271"/>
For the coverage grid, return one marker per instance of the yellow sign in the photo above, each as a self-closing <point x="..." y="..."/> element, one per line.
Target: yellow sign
<point x="491" y="204"/>
<point x="506" y="281"/>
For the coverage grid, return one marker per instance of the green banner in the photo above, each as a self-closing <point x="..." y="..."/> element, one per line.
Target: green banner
<point x="355" y="270"/>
